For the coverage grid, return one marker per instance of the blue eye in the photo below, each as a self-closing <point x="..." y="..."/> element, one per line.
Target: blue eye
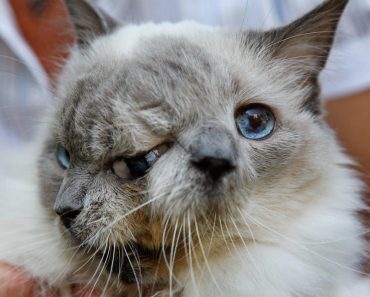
<point x="62" y="157"/>
<point x="255" y="122"/>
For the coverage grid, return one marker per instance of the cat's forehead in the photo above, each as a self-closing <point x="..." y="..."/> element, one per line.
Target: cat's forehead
<point x="143" y="97"/>
<point x="129" y="40"/>
<point x="132" y="89"/>
<point x="138" y="41"/>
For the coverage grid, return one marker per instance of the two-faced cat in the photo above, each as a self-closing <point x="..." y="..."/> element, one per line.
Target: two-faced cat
<point x="187" y="160"/>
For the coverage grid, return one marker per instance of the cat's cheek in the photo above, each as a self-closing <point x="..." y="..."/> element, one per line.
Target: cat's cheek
<point x="50" y="181"/>
<point x="107" y="203"/>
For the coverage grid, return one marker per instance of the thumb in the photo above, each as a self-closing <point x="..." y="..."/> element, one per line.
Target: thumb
<point x="15" y="282"/>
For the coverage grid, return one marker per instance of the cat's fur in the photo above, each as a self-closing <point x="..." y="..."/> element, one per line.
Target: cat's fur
<point x="283" y="223"/>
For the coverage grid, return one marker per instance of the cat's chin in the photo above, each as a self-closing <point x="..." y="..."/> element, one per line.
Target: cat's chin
<point x="132" y="263"/>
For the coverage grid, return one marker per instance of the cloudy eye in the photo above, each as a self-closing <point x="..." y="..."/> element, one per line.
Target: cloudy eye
<point x="255" y="122"/>
<point x="121" y="169"/>
<point x="138" y="166"/>
<point x="62" y="157"/>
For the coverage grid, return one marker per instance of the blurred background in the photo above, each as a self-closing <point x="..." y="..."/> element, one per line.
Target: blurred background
<point x="35" y="36"/>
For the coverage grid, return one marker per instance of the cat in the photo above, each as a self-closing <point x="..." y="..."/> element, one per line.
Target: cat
<point x="188" y="160"/>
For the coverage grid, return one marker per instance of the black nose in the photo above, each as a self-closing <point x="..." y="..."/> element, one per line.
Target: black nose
<point x="213" y="152"/>
<point x="68" y="215"/>
<point x="213" y="166"/>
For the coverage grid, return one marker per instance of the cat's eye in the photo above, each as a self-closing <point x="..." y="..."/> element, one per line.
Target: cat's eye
<point x="255" y="121"/>
<point x="138" y="166"/>
<point x="121" y="169"/>
<point x="62" y="156"/>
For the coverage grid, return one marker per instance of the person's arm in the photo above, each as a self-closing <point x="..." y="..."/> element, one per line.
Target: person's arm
<point x="350" y="118"/>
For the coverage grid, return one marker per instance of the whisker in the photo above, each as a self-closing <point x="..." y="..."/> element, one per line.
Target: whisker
<point x="191" y="250"/>
<point x="98" y="267"/>
<point x="205" y="258"/>
<point x="133" y="269"/>
<point x="110" y="270"/>
<point x="253" y="261"/>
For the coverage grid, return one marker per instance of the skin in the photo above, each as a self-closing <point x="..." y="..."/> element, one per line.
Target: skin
<point x="17" y="283"/>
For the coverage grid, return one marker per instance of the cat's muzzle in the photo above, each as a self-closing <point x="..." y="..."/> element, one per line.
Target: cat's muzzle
<point x="213" y="153"/>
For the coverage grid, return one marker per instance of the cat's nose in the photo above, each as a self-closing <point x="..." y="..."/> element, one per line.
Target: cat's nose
<point x="213" y="153"/>
<point x="214" y="167"/>
<point x="68" y="215"/>
<point x="70" y="199"/>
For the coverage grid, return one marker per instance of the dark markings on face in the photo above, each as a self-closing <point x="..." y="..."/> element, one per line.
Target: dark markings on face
<point x="312" y="102"/>
<point x="171" y="77"/>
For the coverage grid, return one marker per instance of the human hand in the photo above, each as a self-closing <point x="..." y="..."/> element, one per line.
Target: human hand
<point x="17" y="283"/>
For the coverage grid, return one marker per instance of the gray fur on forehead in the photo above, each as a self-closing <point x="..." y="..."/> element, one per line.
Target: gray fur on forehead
<point x="164" y="88"/>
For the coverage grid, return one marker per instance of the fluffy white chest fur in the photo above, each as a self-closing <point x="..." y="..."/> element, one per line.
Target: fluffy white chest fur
<point x="185" y="160"/>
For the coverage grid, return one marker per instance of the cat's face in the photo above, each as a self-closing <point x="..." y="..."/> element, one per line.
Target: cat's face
<point x="178" y="138"/>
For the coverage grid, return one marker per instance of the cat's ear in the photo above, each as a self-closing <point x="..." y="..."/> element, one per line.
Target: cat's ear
<point x="305" y="44"/>
<point x="89" y="22"/>
<point x="310" y="38"/>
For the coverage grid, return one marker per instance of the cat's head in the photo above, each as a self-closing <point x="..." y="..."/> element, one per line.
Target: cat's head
<point x="177" y="137"/>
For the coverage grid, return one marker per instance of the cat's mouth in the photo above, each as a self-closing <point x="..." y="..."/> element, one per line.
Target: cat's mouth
<point x="133" y="263"/>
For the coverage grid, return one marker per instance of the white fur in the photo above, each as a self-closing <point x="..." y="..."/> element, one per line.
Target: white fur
<point x="27" y="237"/>
<point x="308" y="259"/>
